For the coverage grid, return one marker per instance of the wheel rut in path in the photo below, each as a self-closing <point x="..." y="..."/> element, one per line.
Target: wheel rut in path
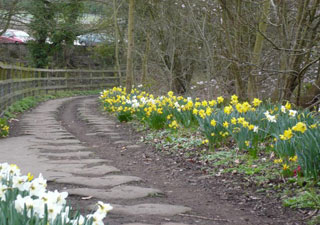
<point x="95" y="158"/>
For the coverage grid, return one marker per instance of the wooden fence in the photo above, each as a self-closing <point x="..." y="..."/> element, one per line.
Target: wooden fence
<point x="19" y="82"/>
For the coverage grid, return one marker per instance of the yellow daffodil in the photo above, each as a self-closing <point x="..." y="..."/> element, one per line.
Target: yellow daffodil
<point x="278" y="161"/>
<point x="293" y="159"/>
<point x="288" y="106"/>
<point x="286" y="135"/>
<point x="208" y="111"/>
<point x="212" y="103"/>
<point x="256" y="102"/>
<point x="285" y="167"/>
<point x="204" y="103"/>
<point x="313" y="126"/>
<point x="213" y="122"/>
<point x="206" y="141"/>
<point x="228" y="109"/>
<point x="195" y="112"/>
<point x="301" y="127"/>
<point x="234" y="99"/>
<point x="220" y="99"/>
<point x="202" y="113"/>
<point x="226" y="124"/>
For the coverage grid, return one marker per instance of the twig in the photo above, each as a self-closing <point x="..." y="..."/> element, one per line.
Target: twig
<point x="202" y="217"/>
<point x="311" y="215"/>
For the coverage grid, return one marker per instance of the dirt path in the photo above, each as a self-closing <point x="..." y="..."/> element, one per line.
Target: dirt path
<point x="95" y="158"/>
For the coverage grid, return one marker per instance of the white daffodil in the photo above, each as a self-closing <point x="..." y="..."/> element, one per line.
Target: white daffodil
<point x="22" y="202"/>
<point x="53" y="211"/>
<point x="36" y="188"/>
<point x="65" y="215"/>
<point x="255" y="129"/>
<point x="283" y="109"/>
<point x="19" y="181"/>
<point x="270" y="118"/>
<point x="97" y="218"/>
<point x="293" y="113"/>
<point x="3" y="190"/>
<point x="79" y="221"/>
<point x="103" y="208"/>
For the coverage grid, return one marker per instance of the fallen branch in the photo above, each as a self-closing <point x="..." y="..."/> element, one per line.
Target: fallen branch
<point x="202" y="217"/>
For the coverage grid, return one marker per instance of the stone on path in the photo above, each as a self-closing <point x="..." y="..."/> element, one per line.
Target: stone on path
<point x="60" y="148"/>
<point x="90" y="171"/>
<point x="99" y="182"/>
<point x="79" y="161"/>
<point x="133" y="146"/>
<point x="118" y="192"/>
<point x="148" y="209"/>
<point x="56" y="142"/>
<point x="67" y="154"/>
<point x="155" y="224"/>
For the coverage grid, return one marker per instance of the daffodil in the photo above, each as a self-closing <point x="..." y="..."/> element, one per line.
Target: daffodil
<point x="213" y="122"/>
<point x="234" y="99"/>
<point x="293" y="159"/>
<point x="288" y="106"/>
<point x="292" y="113"/>
<point x="286" y="135"/>
<point x="220" y="99"/>
<point x="278" y="161"/>
<point x="256" y="102"/>
<point x="206" y="141"/>
<point x="228" y="109"/>
<point x="300" y="127"/>
<point x="285" y="167"/>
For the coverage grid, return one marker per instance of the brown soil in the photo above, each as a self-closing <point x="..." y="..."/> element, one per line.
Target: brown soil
<point x="214" y="200"/>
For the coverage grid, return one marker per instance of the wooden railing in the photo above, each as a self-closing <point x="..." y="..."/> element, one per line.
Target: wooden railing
<point x="19" y="82"/>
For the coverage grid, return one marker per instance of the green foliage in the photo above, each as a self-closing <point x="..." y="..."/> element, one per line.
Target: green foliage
<point x="4" y="127"/>
<point x="105" y="51"/>
<point x="54" y="21"/>
<point x="124" y="116"/>
<point x="307" y="199"/>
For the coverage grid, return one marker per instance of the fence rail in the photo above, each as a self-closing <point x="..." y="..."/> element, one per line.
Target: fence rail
<point x="20" y="82"/>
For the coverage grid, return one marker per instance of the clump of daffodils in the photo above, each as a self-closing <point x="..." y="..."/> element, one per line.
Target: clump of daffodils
<point x="249" y="125"/>
<point x="29" y="197"/>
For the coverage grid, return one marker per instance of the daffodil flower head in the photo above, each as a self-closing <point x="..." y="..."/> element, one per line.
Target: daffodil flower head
<point x="256" y="102"/>
<point x="288" y="106"/>
<point x="220" y="99"/>
<point x="300" y="127"/>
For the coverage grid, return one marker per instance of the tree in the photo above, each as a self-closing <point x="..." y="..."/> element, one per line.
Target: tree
<point x="129" y="73"/>
<point x="8" y="9"/>
<point x="55" y="22"/>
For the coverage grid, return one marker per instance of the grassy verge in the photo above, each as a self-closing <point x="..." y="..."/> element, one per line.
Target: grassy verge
<point x="230" y="164"/>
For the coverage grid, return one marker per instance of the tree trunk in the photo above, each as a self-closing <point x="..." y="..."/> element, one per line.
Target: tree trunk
<point x="145" y="61"/>
<point x="129" y="72"/>
<point x="252" y="81"/>
<point x="116" y="29"/>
